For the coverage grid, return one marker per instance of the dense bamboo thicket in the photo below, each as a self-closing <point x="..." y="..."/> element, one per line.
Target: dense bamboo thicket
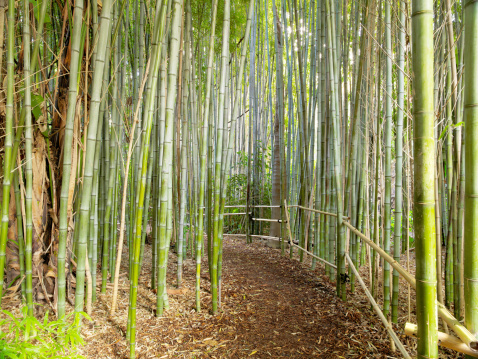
<point x="344" y="130"/>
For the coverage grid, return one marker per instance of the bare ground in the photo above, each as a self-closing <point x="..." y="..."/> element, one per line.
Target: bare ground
<point x="272" y="307"/>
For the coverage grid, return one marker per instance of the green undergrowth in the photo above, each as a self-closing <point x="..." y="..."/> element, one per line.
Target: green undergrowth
<point x="28" y="338"/>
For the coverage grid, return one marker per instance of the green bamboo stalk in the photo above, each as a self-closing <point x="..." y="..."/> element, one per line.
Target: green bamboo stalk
<point x="67" y="153"/>
<point x="85" y="205"/>
<point x="229" y="149"/>
<point x="8" y="137"/>
<point x="340" y="247"/>
<point x="33" y="64"/>
<point x="110" y="163"/>
<point x="166" y="174"/>
<point x="28" y="160"/>
<point x="399" y="158"/>
<point x="184" y="160"/>
<point x="203" y="153"/>
<point x="470" y="264"/>
<point x="219" y="155"/>
<point x="159" y="29"/>
<point x="424" y="159"/>
<point x="388" y="157"/>
<point x="20" y="238"/>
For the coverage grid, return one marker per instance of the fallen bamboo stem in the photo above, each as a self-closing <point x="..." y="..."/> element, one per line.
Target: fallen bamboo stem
<point x="314" y="256"/>
<point x="460" y="330"/>
<point x="445" y="340"/>
<point x="372" y="301"/>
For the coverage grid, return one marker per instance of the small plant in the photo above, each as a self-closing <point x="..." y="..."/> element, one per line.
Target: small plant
<point x="28" y="338"/>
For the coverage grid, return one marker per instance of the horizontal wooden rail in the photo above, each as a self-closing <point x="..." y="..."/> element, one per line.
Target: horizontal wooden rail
<point x="265" y="237"/>
<point x="267" y="220"/>
<point x="234" y="214"/>
<point x="264" y="206"/>
<point x="251" y="206"/>
<point x="375" y="306"/>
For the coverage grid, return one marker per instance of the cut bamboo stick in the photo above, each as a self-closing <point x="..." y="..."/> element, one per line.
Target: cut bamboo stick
<point x="445" y="340"/>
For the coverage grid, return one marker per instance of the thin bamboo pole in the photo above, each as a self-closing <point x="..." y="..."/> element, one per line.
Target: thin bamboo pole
<point x="375" y="306"/>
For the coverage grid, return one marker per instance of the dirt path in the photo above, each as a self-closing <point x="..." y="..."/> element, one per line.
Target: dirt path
<point x="272" y="307"/>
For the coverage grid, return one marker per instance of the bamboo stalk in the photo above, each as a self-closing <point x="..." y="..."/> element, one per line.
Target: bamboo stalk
<point x="67" y="153"/>
<point x="8" y="137"/>
<point x="471" y="164"/>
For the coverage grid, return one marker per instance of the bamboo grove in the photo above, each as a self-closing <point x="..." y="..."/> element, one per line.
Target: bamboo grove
<point x="128" y="124"/>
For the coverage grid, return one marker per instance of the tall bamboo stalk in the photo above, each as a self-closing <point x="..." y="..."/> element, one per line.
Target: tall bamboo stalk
<point x="219" y="159"/>
<point x="203" y="154"/>
<point x="28" y="160"/>
<point x="67" y="153"/>
<point x="471" y="164"/>
<point x="388" y="156"/>
<point x="8" y="137"/>
<point x="159" y="29"/>
<point x="85" y="203"/>
<point x="424" y="160"/>
<point x="399" y="157"/>
<point x="165" y="215"/>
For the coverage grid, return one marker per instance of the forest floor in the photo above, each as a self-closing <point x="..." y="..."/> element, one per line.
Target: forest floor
<point x="272" y="307"/>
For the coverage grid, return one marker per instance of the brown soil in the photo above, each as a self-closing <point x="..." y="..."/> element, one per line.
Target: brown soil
<point x="272" y="307"/>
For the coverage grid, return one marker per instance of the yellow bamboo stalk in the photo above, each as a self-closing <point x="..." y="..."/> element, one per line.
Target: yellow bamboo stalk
<point x="444" y="340"/>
